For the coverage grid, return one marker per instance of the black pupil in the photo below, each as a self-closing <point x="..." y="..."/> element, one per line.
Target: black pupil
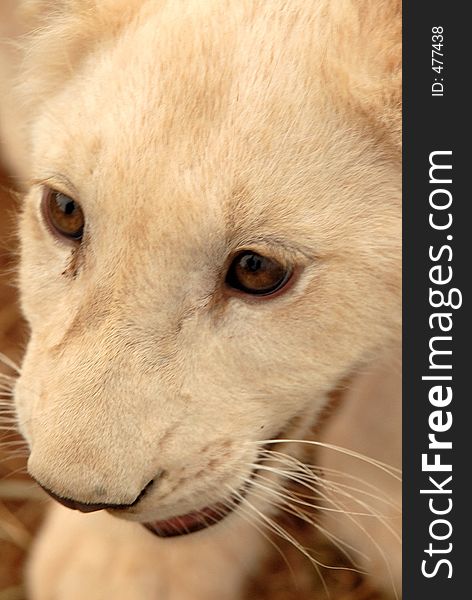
<point x="65" y="204"/>
<point x="252" y="262"/>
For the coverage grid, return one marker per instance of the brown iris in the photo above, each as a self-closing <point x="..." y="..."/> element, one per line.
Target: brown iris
<point x="63" y="215"/>
<point x="256" y="274"/>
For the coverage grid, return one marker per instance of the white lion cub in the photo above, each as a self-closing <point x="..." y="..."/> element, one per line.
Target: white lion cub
<point x="210" y="244"/>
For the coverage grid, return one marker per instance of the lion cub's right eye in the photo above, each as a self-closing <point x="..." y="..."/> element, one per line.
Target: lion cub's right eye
<point x="63" y="215"/>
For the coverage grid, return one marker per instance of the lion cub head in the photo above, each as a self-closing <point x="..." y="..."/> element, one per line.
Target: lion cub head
<point x="209" y="243"/>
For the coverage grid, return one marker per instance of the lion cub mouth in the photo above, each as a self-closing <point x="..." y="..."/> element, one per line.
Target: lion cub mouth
<point x="192" y="521"/>
<point x="206" y="517"/>
<point x="198" y="519"/>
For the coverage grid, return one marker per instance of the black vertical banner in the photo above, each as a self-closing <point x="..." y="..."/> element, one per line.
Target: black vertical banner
<point x="437" y="252"/>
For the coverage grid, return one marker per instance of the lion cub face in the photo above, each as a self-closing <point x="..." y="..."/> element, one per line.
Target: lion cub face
<point x="210" y="243"/>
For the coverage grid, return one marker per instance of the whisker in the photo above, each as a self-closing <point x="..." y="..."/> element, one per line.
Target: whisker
<point x="389" y="469"/>
<point x="329" y="483"/>
<point x="293" y="510"/>
<point x="9" y="363"/>
<point x="321" y="470"/>
<point x="301" y="481"/>
<point x="274" y="527"/>
<point x="246" y="516"/>
<point x="296" y="499"/>
<point x="309" y="475"/>
<point x="349" y="514"/>
<point x="381" y="518"/>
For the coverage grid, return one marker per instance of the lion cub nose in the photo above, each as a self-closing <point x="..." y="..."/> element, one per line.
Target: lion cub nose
<point x="87" y="507"/>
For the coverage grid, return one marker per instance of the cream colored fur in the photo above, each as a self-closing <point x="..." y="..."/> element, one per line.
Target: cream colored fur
<point x="188" y="129"/>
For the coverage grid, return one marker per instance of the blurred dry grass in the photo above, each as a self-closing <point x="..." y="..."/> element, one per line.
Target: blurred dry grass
<point x="20" y="510"/>
<point x="22" y="503"/>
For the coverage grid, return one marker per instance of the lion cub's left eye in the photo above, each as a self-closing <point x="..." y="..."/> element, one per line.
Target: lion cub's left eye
<point x="257" y="275"/>
<point x="63" y="215"/>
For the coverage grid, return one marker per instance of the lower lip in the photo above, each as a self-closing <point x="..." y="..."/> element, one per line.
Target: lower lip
<point x="191" y="522"/>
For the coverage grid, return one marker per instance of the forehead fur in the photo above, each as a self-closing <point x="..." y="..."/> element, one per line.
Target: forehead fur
<point x="355" y="42"/>
<point x="206" y="127"/>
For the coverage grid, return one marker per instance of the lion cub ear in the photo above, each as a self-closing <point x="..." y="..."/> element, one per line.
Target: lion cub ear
<point x="364" y="55"/>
